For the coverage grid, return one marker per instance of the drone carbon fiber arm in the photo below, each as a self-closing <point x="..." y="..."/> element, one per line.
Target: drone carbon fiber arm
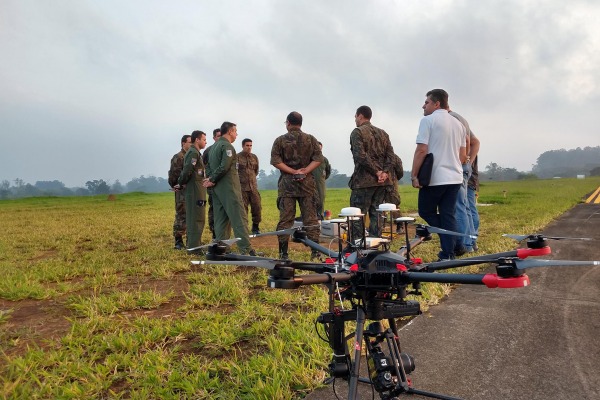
<point x="488" y="258"/>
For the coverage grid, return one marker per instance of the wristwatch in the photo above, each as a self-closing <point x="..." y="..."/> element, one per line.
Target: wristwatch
<point x="413" y="178"/>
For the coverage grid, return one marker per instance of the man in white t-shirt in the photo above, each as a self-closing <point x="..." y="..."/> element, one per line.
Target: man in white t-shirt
<point x="445" y="137"/>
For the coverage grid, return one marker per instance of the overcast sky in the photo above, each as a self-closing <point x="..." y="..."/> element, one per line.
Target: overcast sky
<point x="105" y="89"/>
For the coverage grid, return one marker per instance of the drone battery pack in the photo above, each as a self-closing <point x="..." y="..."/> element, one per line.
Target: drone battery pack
<point x="373" y="242"/>
<point x="393" y="309"/>
<point x="332" y="227"/>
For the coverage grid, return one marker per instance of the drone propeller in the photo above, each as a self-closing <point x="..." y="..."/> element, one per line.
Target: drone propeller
<point x="539" y="236"/>
<point x="530" y="263"/>
<point x="227" y="242"/>
<point x="433" y="229"/>
<point x="268" y="264"/>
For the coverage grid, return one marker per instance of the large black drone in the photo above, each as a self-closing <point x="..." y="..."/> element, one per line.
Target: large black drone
<point x="376" y="283"/>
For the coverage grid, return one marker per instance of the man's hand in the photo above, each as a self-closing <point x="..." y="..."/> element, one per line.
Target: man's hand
<point x="207" y="183"/>
<point x="382" y="176"/>
<point x="415" y="183"/>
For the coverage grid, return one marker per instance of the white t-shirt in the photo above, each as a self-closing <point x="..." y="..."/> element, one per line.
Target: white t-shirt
<point x="444" y="135"/>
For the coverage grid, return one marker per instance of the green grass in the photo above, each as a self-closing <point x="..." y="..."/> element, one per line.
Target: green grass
<point x="128" y="317"/>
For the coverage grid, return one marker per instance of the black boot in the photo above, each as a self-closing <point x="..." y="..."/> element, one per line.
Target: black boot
<point x="179" y="243"/>
<point x="315" y="254"/>
<point x="283" y="251"/>
<point x="255" y="230"/>
<point x="399" y="227"/>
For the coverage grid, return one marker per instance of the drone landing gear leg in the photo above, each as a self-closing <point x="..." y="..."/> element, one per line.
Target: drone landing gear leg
<point x="354" y="374"/>
<point x="389" y="373"/>
<point x="404" y="362"/>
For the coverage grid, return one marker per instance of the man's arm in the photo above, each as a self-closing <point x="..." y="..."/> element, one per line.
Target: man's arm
<point x="420" y="153"/>
<point x="284" y="168"/>
<point x="310" y="167"/>
<point x="223" y="163"/>
<point x="474" y="150"/>
<point x="462" y="154"/>
<point x="360" y="155"/>
<point x="186" y="172"/>
<point x="327" y="168"/>
<point x="175" y="170"/>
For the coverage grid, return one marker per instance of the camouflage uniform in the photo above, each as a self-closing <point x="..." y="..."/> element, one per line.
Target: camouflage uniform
<point x="321" y="173"/>
<point x="297" y="150"/>
<point x="391" y="192"/>
<point x="372" y="151"/>
<point x="211" y="217"/>
<point x="248" y="168"/>
<point x="179" y="223"/>
<point x="227" y="194"/>
<point x="192" y="176"/>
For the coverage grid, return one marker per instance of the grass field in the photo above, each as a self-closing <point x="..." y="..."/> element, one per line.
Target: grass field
<point x="94" y="303"/>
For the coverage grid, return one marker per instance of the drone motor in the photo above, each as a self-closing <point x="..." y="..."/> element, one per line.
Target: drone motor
<point x="537" y="242"/>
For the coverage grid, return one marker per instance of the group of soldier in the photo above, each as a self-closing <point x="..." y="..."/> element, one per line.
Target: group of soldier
<point x="226" y="182"/>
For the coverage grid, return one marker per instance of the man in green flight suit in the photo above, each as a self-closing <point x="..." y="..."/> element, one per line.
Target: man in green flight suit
<point x="223" y="178"/>
<point x="192" y="177"/>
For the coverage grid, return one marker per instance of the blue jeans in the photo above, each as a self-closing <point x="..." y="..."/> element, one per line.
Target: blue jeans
<point x="472" y="197"/>
<point x="440" y="198"/>
<point x="464" y="221"/>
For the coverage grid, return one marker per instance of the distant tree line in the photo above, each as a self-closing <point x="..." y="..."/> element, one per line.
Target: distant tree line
<point x="568" y="163"/>
<point x="18" y="188"/>
<point x="553" y="163"/>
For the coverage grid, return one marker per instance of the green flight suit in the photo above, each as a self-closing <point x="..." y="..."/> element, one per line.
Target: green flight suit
<point x="192" y="177"/>
<point x="227" y="194"/>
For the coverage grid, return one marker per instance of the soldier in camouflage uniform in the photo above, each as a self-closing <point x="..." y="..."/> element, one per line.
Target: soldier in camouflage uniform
<point x="192" y="177"/>
<point x="391" y="192"/>
<point x="296" y="154"/>
<point x="174" y="172"/>
<point x="223" y="178"/>
<point x="372" y="152"/>
<point x="321" y="173"/>
<point x="211" y="218"/>
<point x="248" y="168"/>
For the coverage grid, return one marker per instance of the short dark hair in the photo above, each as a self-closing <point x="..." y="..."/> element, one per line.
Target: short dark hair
<point x="365" y="111"/>
<point x="246" y="141"/>
<point x="294" y="118"/>
<point x="439" y="95"/>
<point x="218" y="130"/>
<point x="184" y="138"/>
<point x="226" y="126"/>
<point x="196" y="135"/>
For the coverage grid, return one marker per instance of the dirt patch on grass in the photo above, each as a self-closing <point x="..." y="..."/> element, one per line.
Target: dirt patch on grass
<point x="44" y="255"/>
<point x="32" y="323"/>
<point x="37" y="323"/>
<point x="270" y="242"/>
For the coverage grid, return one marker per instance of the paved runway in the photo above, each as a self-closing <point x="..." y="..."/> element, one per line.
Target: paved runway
<point x="537" y="342"/>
